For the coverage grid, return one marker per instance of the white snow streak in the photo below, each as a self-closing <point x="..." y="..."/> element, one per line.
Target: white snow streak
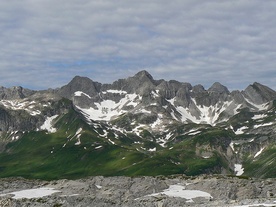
<point x="111" y="141"/>
<point x="78" y="134"/>
<point x="261" y="125"/>
<point x="80" y="93"/>
<point x="232" y="147"/>
<point x="259" y="116"/>
<point x="194" y="133"/>
<point x="258" y="153"/>
<point x="259" y="107"/>
<point x="152" y="149"/>
<point x="157" y="122"/>
<point x="240" y="130"/>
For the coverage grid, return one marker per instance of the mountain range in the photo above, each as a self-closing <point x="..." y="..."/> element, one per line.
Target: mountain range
<point x="137" y="126"/>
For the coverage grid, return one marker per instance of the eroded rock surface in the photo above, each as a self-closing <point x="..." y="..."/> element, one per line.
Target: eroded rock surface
<point x="160" y="191"/>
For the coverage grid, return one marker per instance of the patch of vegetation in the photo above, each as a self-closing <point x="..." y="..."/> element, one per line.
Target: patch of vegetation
<point x="263" y="166"/>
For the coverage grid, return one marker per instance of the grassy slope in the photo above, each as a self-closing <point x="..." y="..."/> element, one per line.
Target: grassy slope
<point x="42" y="155"/>
<point x="264" y="165"/>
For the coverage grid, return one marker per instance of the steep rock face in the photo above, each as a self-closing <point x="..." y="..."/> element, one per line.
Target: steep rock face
<point x="216" y="93"/>
<point x="259" y="94"/>
<point x="142" y="83"/>
<point x="218" y="88"/>
<point x="16" y="92"/>
<point x="183" y="95"/>
<point x="27" y="114"/>
<point x="82" y="90"/>
<point x="78" y="83"/>
<point x="17" y="120"/>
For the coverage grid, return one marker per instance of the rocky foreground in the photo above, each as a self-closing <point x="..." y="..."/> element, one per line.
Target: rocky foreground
<point x="178" y="190"/>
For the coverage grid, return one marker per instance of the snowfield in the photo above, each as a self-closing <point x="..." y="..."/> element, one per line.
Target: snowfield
<point x="108" y="109"/>
<point x="32" y="193"/>
<point x="179" y="191"/>
<point x="48" y="124"/>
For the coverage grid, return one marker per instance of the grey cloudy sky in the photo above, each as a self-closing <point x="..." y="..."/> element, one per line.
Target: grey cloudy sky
<point x="45" y="43"/>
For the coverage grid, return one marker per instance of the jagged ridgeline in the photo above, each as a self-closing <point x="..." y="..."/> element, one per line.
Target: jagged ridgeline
<point x="137" y="126"/>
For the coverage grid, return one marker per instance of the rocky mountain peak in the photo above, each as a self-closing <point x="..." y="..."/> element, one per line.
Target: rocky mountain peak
<point x="79" y="83"/>
<point x="141" y="83"/>
<point x="143" y="75"/>
<point x="198" y="89"/>
<point x="258" y="93"/>
<point x="219" y="88"/>
<point x="15" y="92"/>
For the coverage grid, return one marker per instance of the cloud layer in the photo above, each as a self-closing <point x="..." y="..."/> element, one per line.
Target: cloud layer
<point x="46" y="43"/>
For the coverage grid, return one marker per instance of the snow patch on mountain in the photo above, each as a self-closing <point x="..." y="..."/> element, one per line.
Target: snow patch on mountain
<point x="111" y="141"/>
<point x="23" y="104"/>
<point x="139" y="129"/>
<point x="164" y="140"/>
<point x="259" y="152"/>
<point x="211" y="114"/>
<point x="259" y="116"/>
<point x="152" y="149"/>
<point x="32" y="193"/>
<point x="240" y="130"/>
<point x="180" y="191"/>
<point x="207" y="114"/>
<point x="239" y="170"/>
<point x="77" y="135"/>
<point x="232" y="146"/>
<point x="47" y="125"/>
<point x="186" y="115"/>
<point x="155" y="93"/>
<point x="194" y="133"/>
<point x="117" y="91"/>
<point x="106" y="110"/>
<point x="171" y="101"/>
<point x="261" y="125"/>
<point x="114" y="91"/>
<point x="80" y="93"/>
<point x="259" y="107"/>
<point x="157" y="123"/>
<point x="104" y="135"/>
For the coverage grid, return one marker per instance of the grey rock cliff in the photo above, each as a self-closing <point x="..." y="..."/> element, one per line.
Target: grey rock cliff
<point x="259" y="94"/>
<point x="16" y="92"/>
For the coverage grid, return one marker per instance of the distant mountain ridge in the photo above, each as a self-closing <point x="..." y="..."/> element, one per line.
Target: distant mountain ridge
<point x="137" y="126"/>
<point x="178" y="101"/>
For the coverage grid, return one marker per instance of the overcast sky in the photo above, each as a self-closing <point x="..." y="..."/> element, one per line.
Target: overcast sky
<point x="45" y="43"/>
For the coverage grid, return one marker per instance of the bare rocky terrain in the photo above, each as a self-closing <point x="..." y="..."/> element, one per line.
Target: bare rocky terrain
<point x="160" y="191"/>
